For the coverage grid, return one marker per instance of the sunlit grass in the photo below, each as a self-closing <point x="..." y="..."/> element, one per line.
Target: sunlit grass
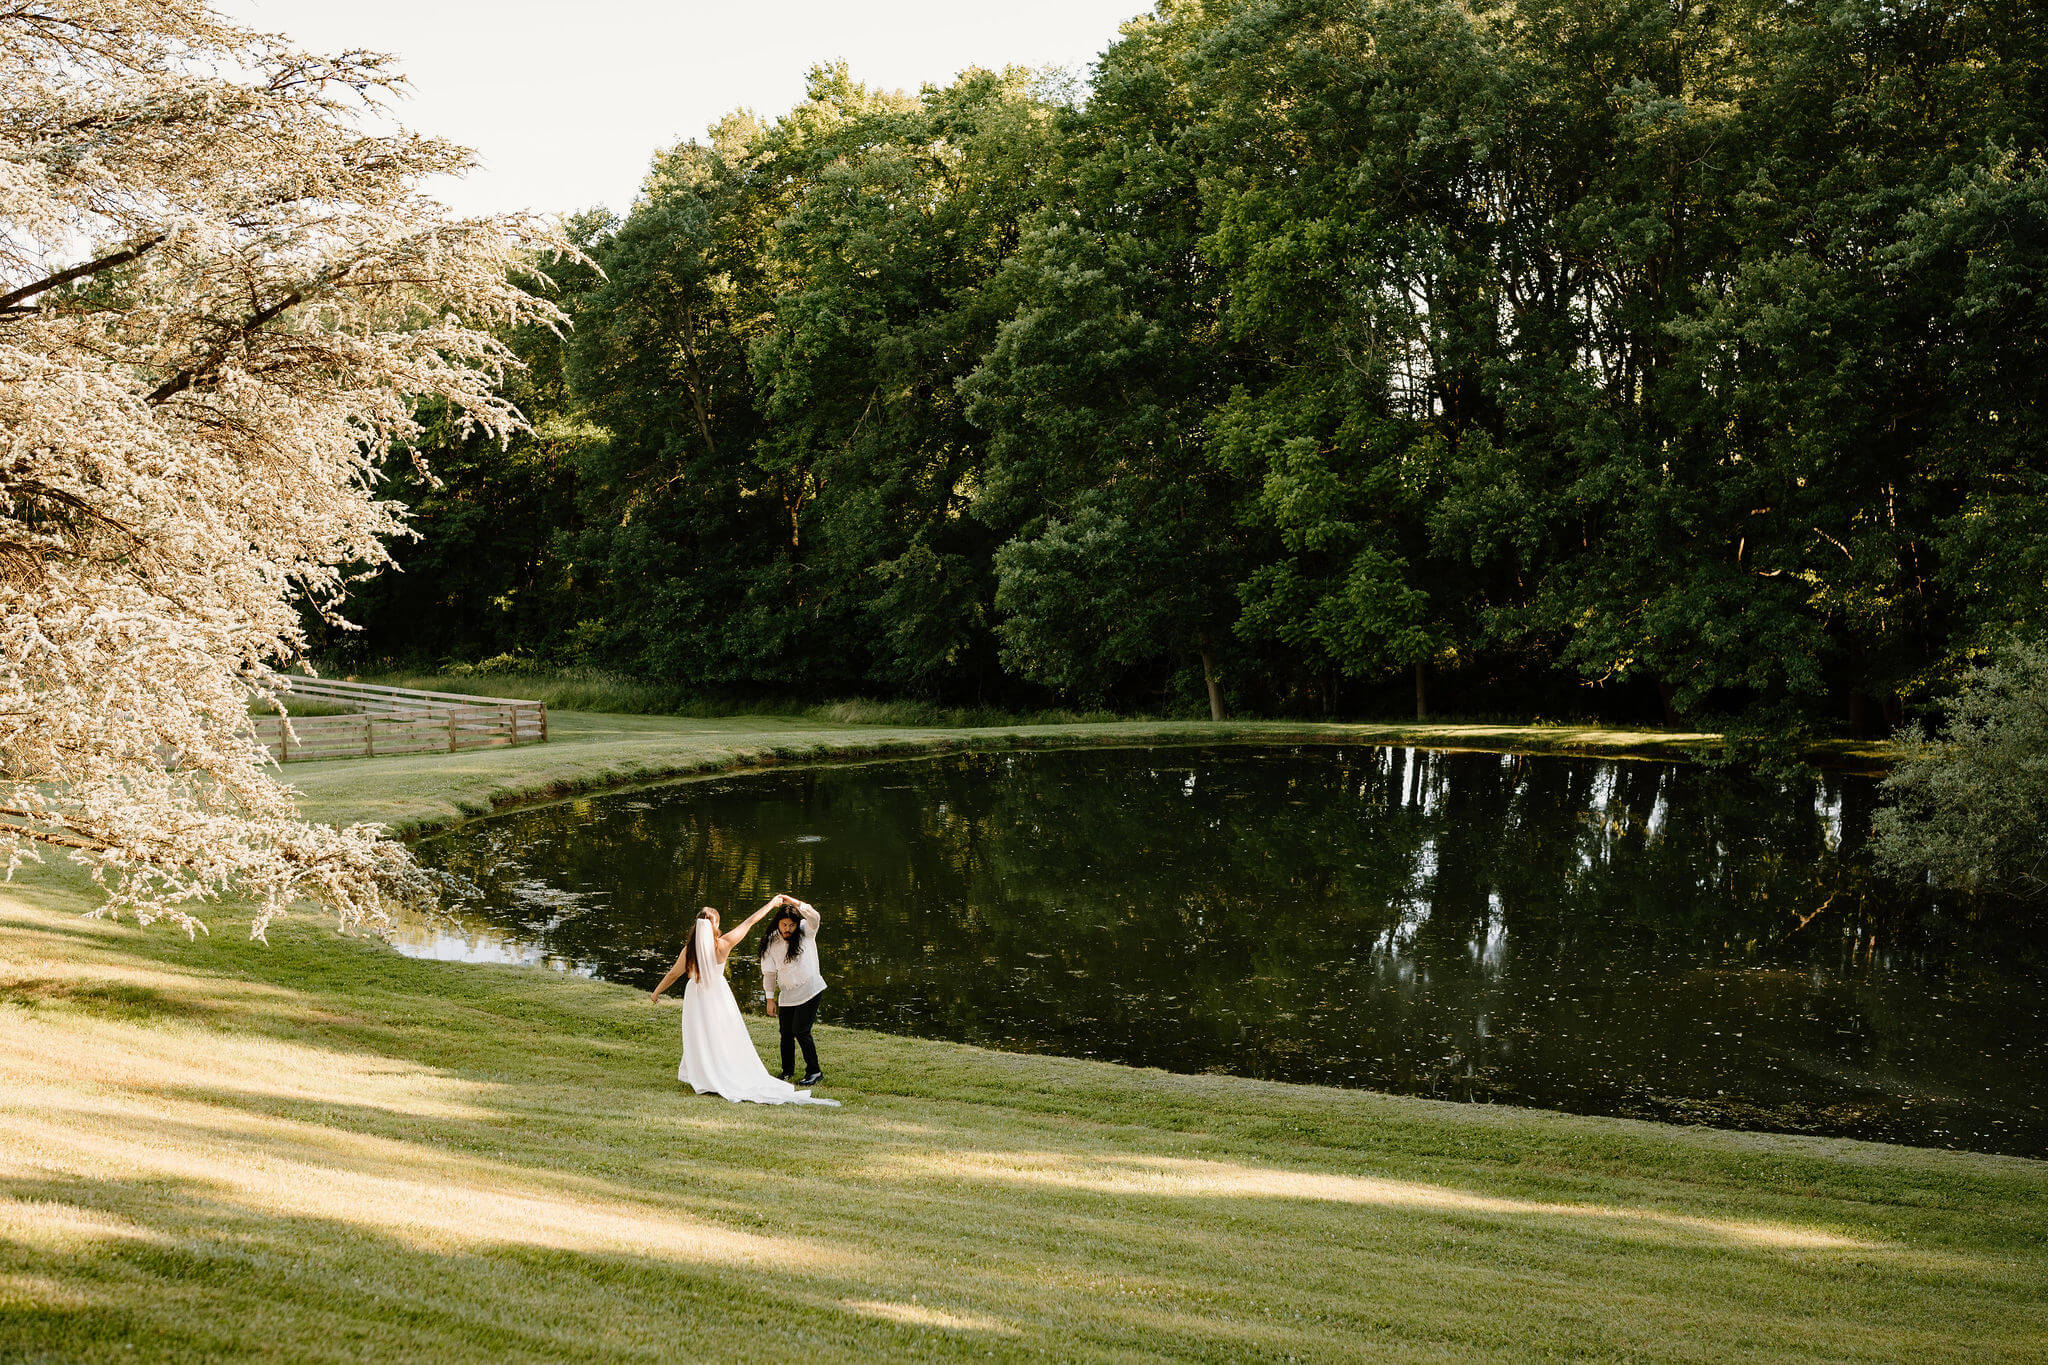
<point x="920" y="1315"/>
<point x="1185" y="1178"/>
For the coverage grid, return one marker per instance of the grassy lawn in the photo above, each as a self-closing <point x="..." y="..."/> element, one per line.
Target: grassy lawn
<point x="318" y="1150"/>
<point x="588" y="751"/>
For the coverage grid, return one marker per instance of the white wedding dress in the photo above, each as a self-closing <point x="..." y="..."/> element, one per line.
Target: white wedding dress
<point x="718" y="1054"/>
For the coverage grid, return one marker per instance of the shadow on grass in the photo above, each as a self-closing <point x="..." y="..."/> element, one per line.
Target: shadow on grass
<point x="101" y="935"/>
<point x="108" y="1000"/>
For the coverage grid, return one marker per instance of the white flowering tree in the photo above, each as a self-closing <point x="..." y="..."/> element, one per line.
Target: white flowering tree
<point x="222" y="294"/>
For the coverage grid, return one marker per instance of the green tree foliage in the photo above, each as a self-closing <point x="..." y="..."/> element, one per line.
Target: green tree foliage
<point x="1097" y="396"/>
<point x="484" y="575"/>
<point x="677" y="554"/>
<point x="1639" y="355"/>
<point x="884" y="265"/>
<point x="1970" y="810"/>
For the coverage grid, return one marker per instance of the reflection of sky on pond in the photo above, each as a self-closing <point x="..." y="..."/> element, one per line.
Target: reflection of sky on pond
<point x="441" y="942"/>
<point x="1607" y="937"/>
<point x="470" y="937"/>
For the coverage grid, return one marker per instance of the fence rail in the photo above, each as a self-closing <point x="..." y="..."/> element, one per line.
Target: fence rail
<point x="397" y="720"/>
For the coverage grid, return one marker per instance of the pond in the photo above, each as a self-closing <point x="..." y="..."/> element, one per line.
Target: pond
<point x="1631" y="938"/>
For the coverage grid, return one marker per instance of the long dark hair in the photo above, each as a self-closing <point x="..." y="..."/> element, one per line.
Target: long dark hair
<point x="690" y="949"/>
<point x="791" y="946"/>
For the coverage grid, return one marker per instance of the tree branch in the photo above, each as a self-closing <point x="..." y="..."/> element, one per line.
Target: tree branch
<point x="185" y="378"/>
<point x="59" y="836"/>
<point x="10" y="302"/>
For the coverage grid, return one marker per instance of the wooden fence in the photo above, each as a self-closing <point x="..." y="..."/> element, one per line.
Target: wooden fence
<point x="397" y="720"/>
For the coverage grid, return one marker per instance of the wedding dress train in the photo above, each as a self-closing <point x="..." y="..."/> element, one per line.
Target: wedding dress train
<point x="718" y="1055"/>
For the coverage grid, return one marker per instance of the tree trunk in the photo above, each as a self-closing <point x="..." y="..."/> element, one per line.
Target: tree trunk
<point x="1215" y="688"/>
<point x="1665" y="692"/>
<point x="1421" y="690"/>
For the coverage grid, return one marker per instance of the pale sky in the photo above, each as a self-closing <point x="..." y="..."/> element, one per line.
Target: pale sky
<point x="565" y="103"/>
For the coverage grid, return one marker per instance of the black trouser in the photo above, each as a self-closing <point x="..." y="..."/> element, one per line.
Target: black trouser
<point x="796" y="1029"/>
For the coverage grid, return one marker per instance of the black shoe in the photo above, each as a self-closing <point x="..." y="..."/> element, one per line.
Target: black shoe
<point x="812" y="1079"/>
<point x="783" y="1077"/>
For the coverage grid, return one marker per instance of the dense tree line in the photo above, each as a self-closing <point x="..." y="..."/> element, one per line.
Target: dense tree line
<point x="1624" y="356"/>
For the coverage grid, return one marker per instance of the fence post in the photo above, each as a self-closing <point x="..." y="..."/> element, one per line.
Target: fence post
<point x="369" y="737"/>
<point x="451" y="730"/>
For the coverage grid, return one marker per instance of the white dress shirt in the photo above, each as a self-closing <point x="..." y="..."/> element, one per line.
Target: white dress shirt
<point x="795" y="982"/>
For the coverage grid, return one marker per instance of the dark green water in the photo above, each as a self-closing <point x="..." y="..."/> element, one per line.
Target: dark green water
<point x="1611" y="938"/>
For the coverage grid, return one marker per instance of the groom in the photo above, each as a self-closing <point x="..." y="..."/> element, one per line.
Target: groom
<point x="792" y="982"/>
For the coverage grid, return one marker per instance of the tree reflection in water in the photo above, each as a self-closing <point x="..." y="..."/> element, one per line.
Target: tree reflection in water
<point x="1632" y="938"/>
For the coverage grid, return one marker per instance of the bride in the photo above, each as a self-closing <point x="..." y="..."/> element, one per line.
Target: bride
<point x="718" y="1055"/>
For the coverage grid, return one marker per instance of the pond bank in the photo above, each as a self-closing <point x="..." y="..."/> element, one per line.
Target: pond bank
<point x="591" y="752"/>
<point x="321" y="1150"/>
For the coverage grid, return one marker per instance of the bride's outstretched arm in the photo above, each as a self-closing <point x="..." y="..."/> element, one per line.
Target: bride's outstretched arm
<point x="655" y="995"/>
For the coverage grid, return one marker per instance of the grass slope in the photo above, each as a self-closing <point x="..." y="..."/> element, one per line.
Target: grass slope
<point x="321" y="1151"/>
<point x="593" y="690"/>
<point x="587" y="751"/>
